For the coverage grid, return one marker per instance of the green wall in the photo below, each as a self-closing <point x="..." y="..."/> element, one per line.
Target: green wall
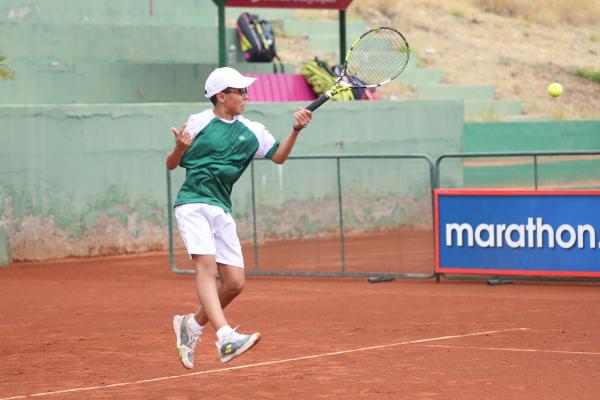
<point x="564" y="172"/>
<point x="85" y="130"/>
<point x="114" y="83"/>
<point x="66" y="45"/>
<point x="125" y="12"/>
<point x="98" y="12"/>
<point x="80" y="180"/>
<point x="89" y="179"/>
<point x="532" y="136"/>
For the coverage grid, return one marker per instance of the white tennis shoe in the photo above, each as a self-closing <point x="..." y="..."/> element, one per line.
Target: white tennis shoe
<point x="186" y="340"/>
<point x="235" y="344"/>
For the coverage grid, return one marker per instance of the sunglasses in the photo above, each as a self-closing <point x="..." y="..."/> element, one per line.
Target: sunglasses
<point x="241" y="92"/>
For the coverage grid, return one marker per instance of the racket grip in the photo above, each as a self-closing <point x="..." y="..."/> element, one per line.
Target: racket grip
<point x="318" y="102"/>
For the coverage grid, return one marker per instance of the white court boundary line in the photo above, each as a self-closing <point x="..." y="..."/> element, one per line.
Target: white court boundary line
<point x="262" y="364"/>
<point x="589" y="353"/>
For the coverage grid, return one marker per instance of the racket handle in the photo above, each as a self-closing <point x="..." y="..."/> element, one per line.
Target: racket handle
<point x="318" y="102"/>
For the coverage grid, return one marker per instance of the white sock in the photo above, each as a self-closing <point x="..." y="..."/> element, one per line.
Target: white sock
<point x="194" y="325"/>
<point x="225" y="330"/>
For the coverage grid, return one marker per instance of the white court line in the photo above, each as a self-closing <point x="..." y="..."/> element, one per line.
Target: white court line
<point x="509" y="349"/>
<point x="164" y="378"/>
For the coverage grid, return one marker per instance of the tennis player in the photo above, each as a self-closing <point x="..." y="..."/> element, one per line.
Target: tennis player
<point x="215" y="147"/>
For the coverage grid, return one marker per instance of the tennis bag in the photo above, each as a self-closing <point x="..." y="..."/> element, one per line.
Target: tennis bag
<point x="320" y="76"/>
<point x="256" y="37"/>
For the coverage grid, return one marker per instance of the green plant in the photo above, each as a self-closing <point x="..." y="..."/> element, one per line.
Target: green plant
<point x="505" y="61"/>
<point x="457" y="12"/>
<point x="588" y="74"/>
<point x="5" y="71"/>
<point x="591" y="115"/>
<point x="559" y="114"/>
<point x="526" y="24"/>
<point x="489" y="114"/>
<point x="547" y="12"/>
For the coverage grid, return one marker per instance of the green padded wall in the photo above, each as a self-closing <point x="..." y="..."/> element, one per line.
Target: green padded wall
<point x="532" y="136"/>
<point x="80" y="180"/>
<point x="553" y="172"/>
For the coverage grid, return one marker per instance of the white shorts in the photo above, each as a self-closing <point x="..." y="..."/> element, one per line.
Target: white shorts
<point x="208" y="229"/>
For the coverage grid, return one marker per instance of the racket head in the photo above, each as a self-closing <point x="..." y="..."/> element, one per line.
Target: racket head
<point x="376" y="57"/>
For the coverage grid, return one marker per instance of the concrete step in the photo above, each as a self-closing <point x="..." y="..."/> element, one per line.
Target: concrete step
<point x="323" y="28"/>
<point x="495" y="108"/>
<point x="123" y="12"/>
<point x="324" y="35"/>
<point x="421" y="76"/>
<point x="413" y="61"/>
<point x="72" y="44"/>
<point x="263" y="68"/>
<point x="269" y="14"/>
<point x="448" y="91"/>
<point x="118" y="83"/>
<point x="114" y="83"/>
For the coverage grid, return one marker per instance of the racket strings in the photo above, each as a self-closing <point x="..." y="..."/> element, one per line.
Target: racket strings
<point x="379" y="56"/>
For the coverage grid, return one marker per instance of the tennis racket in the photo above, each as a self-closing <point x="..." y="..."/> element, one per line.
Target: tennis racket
<point x="374" y="59"/>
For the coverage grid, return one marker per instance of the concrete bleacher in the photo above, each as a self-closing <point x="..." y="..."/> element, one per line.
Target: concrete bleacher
<point x="114" y="52"/>
<point x="118" y="83"/>
<point x="323" y="35"/>
<point x="78" y="162"/>
<point x="107" y="52"/>
<point x="91" y="51"/>
<point x="112" y="13"/>
<point x="46" y="43"/>
<point x="125" y="52"/>
<point x="274" y="15"/>
<point x="480" y="100"/>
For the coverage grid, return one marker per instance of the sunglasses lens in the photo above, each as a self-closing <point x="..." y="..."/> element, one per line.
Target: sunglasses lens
<point x="241" y="92"/>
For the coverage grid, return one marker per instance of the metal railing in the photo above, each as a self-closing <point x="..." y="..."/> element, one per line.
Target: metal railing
<point x="568" y="170"/>
<point x="537" y="161"/>
<point x="512" y="170"/>
<point x="338" y="195"/>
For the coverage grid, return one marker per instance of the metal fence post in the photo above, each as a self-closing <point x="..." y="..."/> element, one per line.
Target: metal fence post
<point x="535" y="171"/>
<point x="170" y="221"/>
<point x="343" y="272"/>
<point x="340" y="207"/>
<point x="254" y="234"/>
<point x="433" y="183"/>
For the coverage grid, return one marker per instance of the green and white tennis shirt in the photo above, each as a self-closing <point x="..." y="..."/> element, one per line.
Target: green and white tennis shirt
<point x="220" y="152"/>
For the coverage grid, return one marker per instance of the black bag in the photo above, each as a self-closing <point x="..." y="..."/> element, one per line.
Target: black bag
<point x="256" y="37"/>
<point x="358" y="93"/>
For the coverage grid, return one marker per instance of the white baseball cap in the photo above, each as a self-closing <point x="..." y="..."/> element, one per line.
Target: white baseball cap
<point x="222" y="78"/>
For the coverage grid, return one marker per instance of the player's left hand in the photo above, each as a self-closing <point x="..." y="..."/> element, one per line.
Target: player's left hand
<point x="183" y="139"/>
<point x="301" y="118"/>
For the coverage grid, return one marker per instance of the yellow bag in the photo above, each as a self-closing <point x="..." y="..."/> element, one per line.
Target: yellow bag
<point x="319" y="75"/>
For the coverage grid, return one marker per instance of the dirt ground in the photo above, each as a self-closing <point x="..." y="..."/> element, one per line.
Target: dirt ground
<point x="397" y="251"/>
<point x="520" y="57"/>
<point x="101" y="329"/>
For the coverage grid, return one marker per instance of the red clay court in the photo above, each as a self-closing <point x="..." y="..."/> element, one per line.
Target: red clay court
<point x="101" y="329"/>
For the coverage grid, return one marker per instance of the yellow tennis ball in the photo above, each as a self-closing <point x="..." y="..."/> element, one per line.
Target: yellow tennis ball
<point x="555" y="89"/>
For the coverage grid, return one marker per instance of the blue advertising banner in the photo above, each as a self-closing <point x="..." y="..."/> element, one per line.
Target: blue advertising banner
<point x="542" y="233"/>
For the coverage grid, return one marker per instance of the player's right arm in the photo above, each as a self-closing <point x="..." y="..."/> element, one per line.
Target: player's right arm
<point x="183" y="141"/>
